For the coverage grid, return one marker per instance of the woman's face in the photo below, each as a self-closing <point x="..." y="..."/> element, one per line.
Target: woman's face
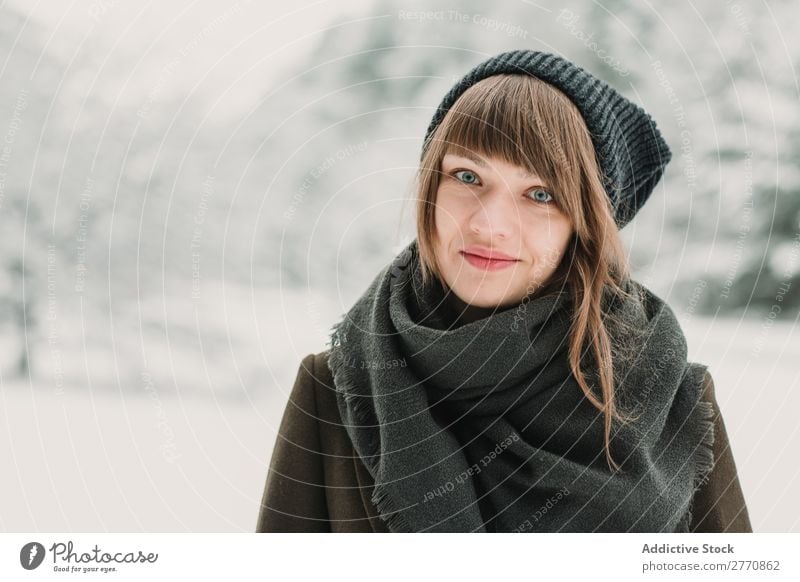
<point x="488" y="207"/>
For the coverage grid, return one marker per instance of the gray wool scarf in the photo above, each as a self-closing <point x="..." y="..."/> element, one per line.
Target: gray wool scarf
<point x="482" y="427"/>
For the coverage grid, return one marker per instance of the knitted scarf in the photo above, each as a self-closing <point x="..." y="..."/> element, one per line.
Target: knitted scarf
<point x="483" y="428"/>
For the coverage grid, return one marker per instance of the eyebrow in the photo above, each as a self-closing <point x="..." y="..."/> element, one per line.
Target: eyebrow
<point x="482" y="163"/>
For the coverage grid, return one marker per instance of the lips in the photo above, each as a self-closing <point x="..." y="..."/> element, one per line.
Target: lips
<point x="487" y="253"/>
<point x="487" y="264"/>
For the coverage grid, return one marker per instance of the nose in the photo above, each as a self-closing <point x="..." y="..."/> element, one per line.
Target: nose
<point x="495" y="215"/>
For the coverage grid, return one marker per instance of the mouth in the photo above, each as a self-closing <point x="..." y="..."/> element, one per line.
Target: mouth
<point x="486" y="264"/>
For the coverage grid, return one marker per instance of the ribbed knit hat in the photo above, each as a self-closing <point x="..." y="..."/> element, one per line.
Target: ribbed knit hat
<point x="630" y="149"/>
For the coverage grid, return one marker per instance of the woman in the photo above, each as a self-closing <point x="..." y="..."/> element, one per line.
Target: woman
<point x="504" y="373"/>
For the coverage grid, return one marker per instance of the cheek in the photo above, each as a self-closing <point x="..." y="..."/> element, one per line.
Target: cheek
<point x="549" y="242"/>
<point x="449" y="213"/>
<point x="563" y="233"/>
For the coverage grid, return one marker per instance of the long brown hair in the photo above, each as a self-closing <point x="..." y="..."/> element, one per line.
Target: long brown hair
<point x="528" y="122"/>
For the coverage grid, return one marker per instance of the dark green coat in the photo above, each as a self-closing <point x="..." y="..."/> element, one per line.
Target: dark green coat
<point x="317" y="483"/>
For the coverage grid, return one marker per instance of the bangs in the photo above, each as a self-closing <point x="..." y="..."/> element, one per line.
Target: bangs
<point x="520" y="120"/>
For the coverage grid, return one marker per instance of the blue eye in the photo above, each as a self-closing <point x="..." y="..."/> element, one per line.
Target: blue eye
<point x="537" y="191"/>
<point x="468" y="172"/>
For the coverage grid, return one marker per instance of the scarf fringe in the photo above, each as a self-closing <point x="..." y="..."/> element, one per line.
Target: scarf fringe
<point x="388" y="511"/>
<point x="704" y="454"/>
<point x="348" y="389"/>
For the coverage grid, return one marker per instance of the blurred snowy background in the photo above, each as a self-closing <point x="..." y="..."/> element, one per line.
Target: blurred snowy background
<point x="191" y="194"/>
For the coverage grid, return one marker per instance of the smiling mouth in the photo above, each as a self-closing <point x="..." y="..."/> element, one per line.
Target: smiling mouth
<point x="487" y="264"/>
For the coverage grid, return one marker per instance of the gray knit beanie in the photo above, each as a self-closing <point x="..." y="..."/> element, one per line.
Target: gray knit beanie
<point x="630" y="149"/>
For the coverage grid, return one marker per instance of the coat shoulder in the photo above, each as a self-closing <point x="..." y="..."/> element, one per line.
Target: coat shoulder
<point x="294" y="494"/>
<point x="324" y="388"/>
<point x="315" y="482"/>
<point x="315" y="394"/>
